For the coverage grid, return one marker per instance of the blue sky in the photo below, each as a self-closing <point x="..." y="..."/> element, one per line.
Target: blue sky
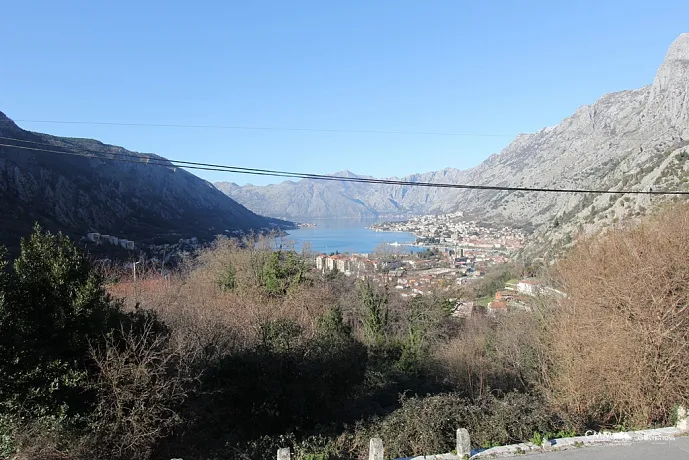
<point x="488" y="67"/>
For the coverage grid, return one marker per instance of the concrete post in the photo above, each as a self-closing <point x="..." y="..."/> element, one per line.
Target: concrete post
<point x="682" y="420"/>
<point x="463" y="442"/>
<point x="284" y="454"/>
<point x="375" y="449"/>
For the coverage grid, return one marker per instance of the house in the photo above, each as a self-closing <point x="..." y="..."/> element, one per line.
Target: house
<point x="321" y="261"/>
<point x="126" y="244"/>
<point x="331" y="262"/>
<point x="497" y="306"/>
<point x="505" y="296"/>
<point x="397" y="272"/>
<point x="342" y="264"/>
<point x="95" y="237"/>
<point x="530" y="287"/>
<point x="362" y="265"/>
<point x="337" y="262"/>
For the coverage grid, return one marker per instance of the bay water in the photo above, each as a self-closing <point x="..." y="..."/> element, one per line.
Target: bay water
<point x="350" y="236"/>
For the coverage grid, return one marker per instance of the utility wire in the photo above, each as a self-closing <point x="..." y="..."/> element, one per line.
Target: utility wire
<point x="276" y="128"/>
<point x="160" y="161"/>
<point x="262" y="128"/>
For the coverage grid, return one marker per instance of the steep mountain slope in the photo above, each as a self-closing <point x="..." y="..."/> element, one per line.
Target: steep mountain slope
<point x="632" y="139"/>
<point x="332" y="199"/>
<point x="76" y="195"/>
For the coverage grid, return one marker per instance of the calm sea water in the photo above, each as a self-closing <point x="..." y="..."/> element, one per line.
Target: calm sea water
<point x="346" y="236"/>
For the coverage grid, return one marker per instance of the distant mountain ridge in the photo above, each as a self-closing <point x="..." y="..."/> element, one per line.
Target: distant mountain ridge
<point x="75" y="194"/>
<point x="309" y="198"/>
<point x="634" y="139"/>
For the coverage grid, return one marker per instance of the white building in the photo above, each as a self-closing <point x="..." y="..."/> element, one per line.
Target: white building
<point x="126" y="244"/>
<point x="321" y="261"/>
<point x="529" y="287"/>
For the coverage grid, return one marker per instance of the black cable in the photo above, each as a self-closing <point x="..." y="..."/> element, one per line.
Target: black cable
<point x="261" y="128"/>
<point x="160" y="161"/>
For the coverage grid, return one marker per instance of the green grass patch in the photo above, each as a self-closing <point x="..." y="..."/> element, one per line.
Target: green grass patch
<point x="484" y="301"/>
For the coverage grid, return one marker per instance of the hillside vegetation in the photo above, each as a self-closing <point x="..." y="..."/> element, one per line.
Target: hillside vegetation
<point x="245" y="350"/>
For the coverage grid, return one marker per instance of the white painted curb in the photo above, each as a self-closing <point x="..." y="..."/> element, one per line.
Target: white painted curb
<point x="552" y="445"/>
<point x="592" y="438"/>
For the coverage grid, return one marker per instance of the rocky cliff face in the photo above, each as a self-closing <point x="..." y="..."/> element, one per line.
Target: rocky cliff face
<point x="74" y="194"/>
<point x="631" y="139"/>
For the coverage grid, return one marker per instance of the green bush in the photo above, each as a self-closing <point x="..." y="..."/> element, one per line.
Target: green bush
<point x="375" y="312"/>
<point x="7" y="436"/>
<point x="281" y="271"/>
<point x="53" y="307"/>
<point x="228" y="278"/>
<point x="65" y="352"/>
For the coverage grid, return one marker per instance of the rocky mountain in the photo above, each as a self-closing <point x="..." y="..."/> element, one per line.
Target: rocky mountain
<point x="310" y="198"/>
<point x="133" y="200"/>
<point x="631" y="139"/>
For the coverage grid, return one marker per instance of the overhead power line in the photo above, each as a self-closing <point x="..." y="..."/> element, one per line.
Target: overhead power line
<point x="297" y="129"/>
<point x="160" y="161"/>
<point x="263" y="128"/>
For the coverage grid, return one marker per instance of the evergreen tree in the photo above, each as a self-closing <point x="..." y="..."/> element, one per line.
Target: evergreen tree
<point x="52" y="307"/>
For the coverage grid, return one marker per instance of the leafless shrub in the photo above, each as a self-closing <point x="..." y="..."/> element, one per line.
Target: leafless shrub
<point x="464" y="360"/>
<point x="143" y="379"/>
<point x="46" y="439"/>
<point x="620" y="340"/>
<point x="496" y="354"/>
<point x="217" y="303"/>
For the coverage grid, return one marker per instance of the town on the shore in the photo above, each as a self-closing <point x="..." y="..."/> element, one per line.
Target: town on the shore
<point x="449" y="230"/>
<point x="448" y="252"/>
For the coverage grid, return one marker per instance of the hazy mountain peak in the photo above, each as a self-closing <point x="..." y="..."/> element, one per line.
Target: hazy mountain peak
<point x="345" y="173"/>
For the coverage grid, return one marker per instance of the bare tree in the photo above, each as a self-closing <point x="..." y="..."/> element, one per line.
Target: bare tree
<point x="620" y="339"/>
<point x="142" y="381"/>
